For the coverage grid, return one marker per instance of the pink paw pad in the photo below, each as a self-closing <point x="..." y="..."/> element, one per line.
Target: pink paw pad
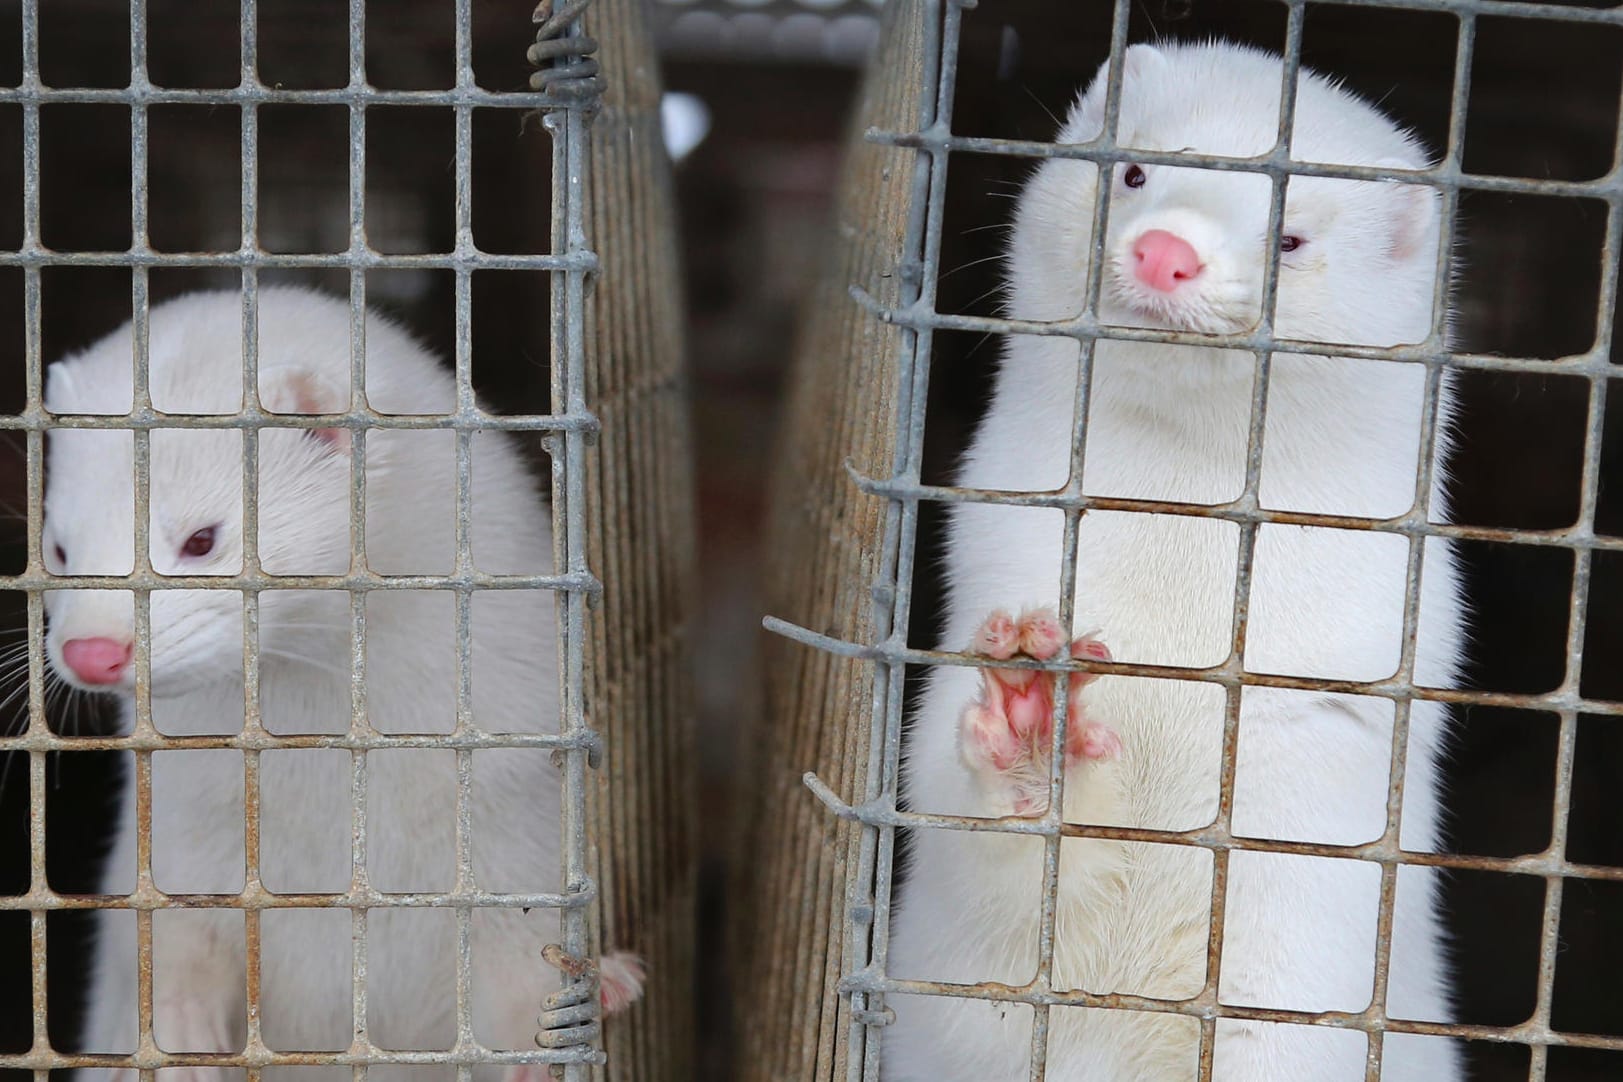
<point x="1092" y="741"/>
<point x="1008" y="729"/>
<point x="1040" y="634"/>
<point x="998" y="636"/>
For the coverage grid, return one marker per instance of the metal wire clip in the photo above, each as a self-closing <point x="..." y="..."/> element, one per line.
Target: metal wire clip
<point x="570" y="1016"/>
<point x="567" y="68"/>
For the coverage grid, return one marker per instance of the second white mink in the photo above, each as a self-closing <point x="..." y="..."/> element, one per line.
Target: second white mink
<point x="1185" y="250"/>
<point x="305" y="795"/>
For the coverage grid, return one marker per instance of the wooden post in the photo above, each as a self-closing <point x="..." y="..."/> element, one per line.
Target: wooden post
<point x="640" y="528"/>
<point x="823" y="551"/>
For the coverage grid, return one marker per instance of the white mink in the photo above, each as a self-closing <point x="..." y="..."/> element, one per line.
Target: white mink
<point x="198" y="836"/>
<point x="1185" y="250"/>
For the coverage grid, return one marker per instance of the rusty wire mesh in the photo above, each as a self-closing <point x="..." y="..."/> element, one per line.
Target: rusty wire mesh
<point x="620" y="667"/>
<point x="844" y="576"/>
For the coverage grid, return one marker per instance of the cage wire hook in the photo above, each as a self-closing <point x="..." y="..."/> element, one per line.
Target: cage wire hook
<point x="571" y="1016"/>
<point x="567" y="67"/>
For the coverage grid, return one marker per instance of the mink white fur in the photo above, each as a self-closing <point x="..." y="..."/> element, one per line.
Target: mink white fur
<point x="304" y="498"/>
<point x="1170" y="423"/>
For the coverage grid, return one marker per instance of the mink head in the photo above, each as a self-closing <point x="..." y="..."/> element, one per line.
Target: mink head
<point x="196" y="524"/>
<point x="1185" y="248"/>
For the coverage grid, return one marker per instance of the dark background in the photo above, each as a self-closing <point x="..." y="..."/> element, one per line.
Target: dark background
<point x="755" y="202"/>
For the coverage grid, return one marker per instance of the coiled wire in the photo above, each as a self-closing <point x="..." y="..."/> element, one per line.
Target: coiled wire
<point x="567" y="69"/>
<point x="570" y="1016"/>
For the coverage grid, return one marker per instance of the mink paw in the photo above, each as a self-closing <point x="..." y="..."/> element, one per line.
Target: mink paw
<point x="1006" y="734"/>
<point x="619" y="981"/>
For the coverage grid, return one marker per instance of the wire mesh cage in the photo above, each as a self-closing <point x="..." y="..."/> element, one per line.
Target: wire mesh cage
<point x="394" y="158"/>
<point x="852" y="571"/>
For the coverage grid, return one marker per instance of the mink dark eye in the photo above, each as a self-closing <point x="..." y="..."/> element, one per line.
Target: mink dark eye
<point x="60" y="553"/>
<point x="200" y="543"/>
<point x="1290" y="244"/>
<point x="1134" y="177"/>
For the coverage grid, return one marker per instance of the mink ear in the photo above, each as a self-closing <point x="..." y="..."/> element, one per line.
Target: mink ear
<point x="1143" y="61"/>
<point x="298" y="390"/>
<point x="58" y="382"/>
<point x="1415" y="213"/>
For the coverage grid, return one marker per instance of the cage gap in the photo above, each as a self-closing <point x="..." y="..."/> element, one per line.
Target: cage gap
<point x="1528" y="273"/>
<point x="496" y="65"/>
<point x="428" y="933"/>
<point x="981" y="190"/>
<point x="1495" y="932"/>
<point x="1519" y="604"/>
<point x="193" y="178"/>
<point x="11" y="49"/>
<point x="1500" y="781"/>
<point x="1519" y="448"/>
<point x="1601" y="679"/>
<point x="1589" y="917"/>
<point x="1584" y="1064"/>
<point x="1596" y="804"/>
<point x="78" y="306"/>
<point x="1401" y="58"/>
<point x="170" y="281"/>
<point x="182" y="51"/>
<point x="174" y="931"/>
<point x="84" y="52"/>
<point x="304" y="44"/>
<point x="11" y="196"/>
<point x="412" y="49"/>
<point x="512" y="154"/>
<point x="1609" y="499"/>
<point x="1020" y="64"/>
<point x="512" y="356"/>
<point x="409" y="184"/>
<point x="323" y="933"/>
<point x="422" y="300"/>
<point x="82" y="143"/>
<point x="13" y="400"/>
<point x="1577" y="64"/>
<point x="303" y="178"/>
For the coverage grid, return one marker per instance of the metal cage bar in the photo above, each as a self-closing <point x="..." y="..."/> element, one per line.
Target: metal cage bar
<point x="877" y="645"/>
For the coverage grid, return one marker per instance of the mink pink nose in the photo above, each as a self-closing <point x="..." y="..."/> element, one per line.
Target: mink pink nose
<point x="1164" y="260"/>
<point x="97" y="661"/>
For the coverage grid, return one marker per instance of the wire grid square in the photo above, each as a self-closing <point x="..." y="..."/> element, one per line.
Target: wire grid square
<point x="869" y="885"/>
<point x="567" y="432"/>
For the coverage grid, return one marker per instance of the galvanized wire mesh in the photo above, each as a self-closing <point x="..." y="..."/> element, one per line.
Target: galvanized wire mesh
<point x="853" y="742"/>
<point x="625" y="660"/>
